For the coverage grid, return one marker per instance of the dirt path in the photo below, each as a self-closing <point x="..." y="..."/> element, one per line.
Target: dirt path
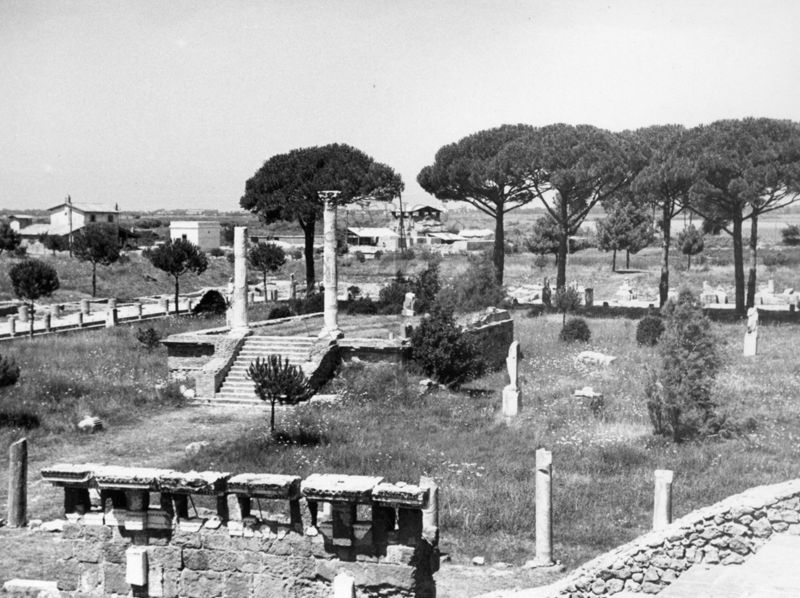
<point x="160" y="441"/>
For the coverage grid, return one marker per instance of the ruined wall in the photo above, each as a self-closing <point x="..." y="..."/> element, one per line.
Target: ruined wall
<point x="130" y="541"/>
<point x="493" y="332"/>
<point x="727" y="533"/>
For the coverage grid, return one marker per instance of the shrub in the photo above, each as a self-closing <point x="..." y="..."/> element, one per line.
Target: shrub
<point x="649" y="330"/>
<point x="391" y="296"/>
<point x="378" y="255"/>
<point x="216" y="252"/>
<point x="362" y="305"/>
<point x="353" y="292"/>
<point x="774" y="258"/>
<point x="359" y="257"/>
<point x="313" y="303"/>
<point x="19" y="419"/>
<point x="212" y="303"/>
<point x="20" y="252"/>
<point x="9" y="371"/>
<point x="476" y="289"/>
<point x="278" y="381"/>
<point x="443" y="351"/>
<point x="279" y="311"/>
<point x="690" y="241"/>
<point x="407" y="254"/>
<point x="791" y="235"/>
<point x="148" y="337"/>
<point x="575" y="329"/>
<point x="679" y="393"/>
<point x="540" y="261"/>
<point x="230" y="257"/>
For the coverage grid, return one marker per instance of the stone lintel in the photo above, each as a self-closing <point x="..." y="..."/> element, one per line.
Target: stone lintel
<point x="128" y="478"/>
<point x="193" y="482"/>
<point x="66" y="474"/>
<point x="265" y="485"/>
<point x="400" y="495"/>
<point x="339" y="488"/>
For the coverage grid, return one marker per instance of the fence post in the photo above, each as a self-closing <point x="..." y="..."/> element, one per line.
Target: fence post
<point x="344" y="586"/>
<point x="662" y="499"/>
<point x="544" y="513"/>
<point x="18" y="483"/>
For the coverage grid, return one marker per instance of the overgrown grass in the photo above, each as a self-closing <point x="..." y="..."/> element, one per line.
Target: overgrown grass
<point x="603" y="459"/>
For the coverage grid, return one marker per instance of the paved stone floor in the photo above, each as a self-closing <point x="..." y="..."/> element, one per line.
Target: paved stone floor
<point x="773" y="572"/>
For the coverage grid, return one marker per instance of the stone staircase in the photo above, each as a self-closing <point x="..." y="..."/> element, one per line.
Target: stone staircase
<point x="237" y="388"/>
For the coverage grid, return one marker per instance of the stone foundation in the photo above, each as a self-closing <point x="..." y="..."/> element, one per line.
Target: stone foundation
<point x="143" y="537"/>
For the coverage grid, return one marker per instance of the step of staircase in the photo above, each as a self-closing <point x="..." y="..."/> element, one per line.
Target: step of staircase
<point x="237" y="388"/>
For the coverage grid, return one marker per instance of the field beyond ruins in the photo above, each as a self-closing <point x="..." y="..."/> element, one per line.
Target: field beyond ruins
<point x="604" y="453"/>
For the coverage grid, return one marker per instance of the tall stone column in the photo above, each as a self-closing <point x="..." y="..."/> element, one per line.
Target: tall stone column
<point x="239" y="299"/>
<point x="544" y="503"/>
<point x="330" y="276"/>
<point x="662" y="499"/>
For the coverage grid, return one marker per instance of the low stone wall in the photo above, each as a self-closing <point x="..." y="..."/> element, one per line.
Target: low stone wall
<point x="766" y="316"/>
<point x="493" y="332"/>
<point x="128" y="540"/>
<point x="727" y="533"/>
<point x="204" y="357"/>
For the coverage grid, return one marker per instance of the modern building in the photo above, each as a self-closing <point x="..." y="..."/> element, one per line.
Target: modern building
<point x="203" y="233"/>
<point x="372" y="239"/>
<point x="65" y="219"/>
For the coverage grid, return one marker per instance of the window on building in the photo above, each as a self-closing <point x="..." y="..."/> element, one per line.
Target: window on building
<point x="184" y="237"/>
<point x="92" y="217"/>
<point x="111" y="217"/>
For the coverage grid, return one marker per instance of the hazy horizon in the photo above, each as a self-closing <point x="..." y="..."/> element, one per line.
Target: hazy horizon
<point x="175" y="105"/>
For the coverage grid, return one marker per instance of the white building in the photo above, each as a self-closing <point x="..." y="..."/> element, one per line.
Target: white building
<point x="66" y="219"/>
<point x="203" y="233"/>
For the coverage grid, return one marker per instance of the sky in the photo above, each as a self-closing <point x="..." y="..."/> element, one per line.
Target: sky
<point x="153" y="104"/>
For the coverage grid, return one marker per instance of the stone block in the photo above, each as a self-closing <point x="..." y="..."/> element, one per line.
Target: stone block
<point x="219" y="539"/>
<point x="265" y="584"/>
<point x="761" y="528"/>
<point x="710" y="555"/>
<point x="72" y="531"/>
<point x="201" y="584"/>
<point x="114" y="579"/>
<point x="91" y="576"/>
<point x="69" y="573"/>
<point x="186" y="539"/>
<point x="114" y="552"/>
<point x="237" y="585"/>
<point x="196" y="559"/>
<point x="733" y="559"/>
<point x="89" y="552"/>
<point x="739" y="546"/>
<point x="169" y="557"/>
<point x="650" y="588"/>
<point x="614" y="585"/>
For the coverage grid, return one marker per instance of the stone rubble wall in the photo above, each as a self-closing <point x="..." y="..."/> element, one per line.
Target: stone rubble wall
<point x="383" y="535"/>
<point x="725" y="533"/>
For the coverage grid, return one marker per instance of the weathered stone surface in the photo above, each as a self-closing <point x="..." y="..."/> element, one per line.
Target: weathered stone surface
<point x="196" y="584"/>
<point x="114" y="579"/>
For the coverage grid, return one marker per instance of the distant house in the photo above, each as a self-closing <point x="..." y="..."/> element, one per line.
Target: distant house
<point x="65" y="219"/>
<point x="19" y="221"/>
<point x="203" y="233"/>
<point x="379" y="238"/>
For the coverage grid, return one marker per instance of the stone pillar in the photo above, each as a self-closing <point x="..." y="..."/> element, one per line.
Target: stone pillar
<point x="12" y="325"/>
<point x="430" y="513"/>
<point x="771" y="286"/>
<point x="292" y="287"/>
<point x="330" y="277"/>
<point x="46" y="318"/>
<point x="662" y="500"/>
<point x="588" y="297"/>
<point x="18" y="483"/>
<point x="138" y="307"/>
<point x="23" y="313"/>
<point x="163" y="304"/>
<point x="239" y="299"/>
<point x="80" y="318"/>
<point x="344" y="586"/>
<point x="544" y="503"/>
<point x="111" y="317"/>
<point x="85" y="307"/>
<point x="112" y="303"/>
<point x="512" y="397"/>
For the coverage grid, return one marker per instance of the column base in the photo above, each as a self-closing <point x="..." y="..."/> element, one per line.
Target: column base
<point x="512" y="401"/>
<point x="331" y="333"/>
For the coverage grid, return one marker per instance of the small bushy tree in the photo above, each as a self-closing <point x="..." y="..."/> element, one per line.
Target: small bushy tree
<point x="391" y="296"/>
<point x="679" y="392"/>
<point x="96" y="244"/>
<point x="567" y="300"/>
<point x="31" y="280"/>
<point x="545" y="237"/>
<point x="176" y="257"/>
<point x="266" y="258"/>
<point x="427" y="286"/>
<point x="649" y="330"/>
<point x="476" y="289"/>
<point x="791" y="235"/>
<point x="690" y="240"/>
<point x="149" y="337"/>
<point x="575" y="329"/>
<point x="278" y="381"/>
<point x="9" y="238"/>
<point x="54" y="242"/>
<point x="443" y="351"/>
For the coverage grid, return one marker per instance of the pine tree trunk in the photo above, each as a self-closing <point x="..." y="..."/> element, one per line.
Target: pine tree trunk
<point x="663" y="283"/>
<point x="614" y="260"/>
<point x="176" y="295"/>
<point x="94" y="279"/>
<point x="272" y="417"/>
<point x="308" y="232"/>
<point x="627" y="259"/>
<point x="499" y="243"/>
<point x="688" y="261"/>
<point x="31" y="320"/>
<point x="751" y="278"/>
<point x="738" y="263"/>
